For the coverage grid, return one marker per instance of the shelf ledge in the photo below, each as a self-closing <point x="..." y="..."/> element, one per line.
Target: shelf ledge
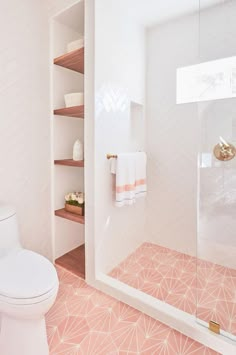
<point x="73" y="60"/>
<point x="75" y="111"/>
<point x="70" y="162"/>
<point x="70" y="216"/>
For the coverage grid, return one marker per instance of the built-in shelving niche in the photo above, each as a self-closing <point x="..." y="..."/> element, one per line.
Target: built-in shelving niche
<point x="67" y="26"/>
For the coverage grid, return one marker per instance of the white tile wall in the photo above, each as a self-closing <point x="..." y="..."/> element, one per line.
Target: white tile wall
<point x="119" y="80"/>
<point x="172" y="137"/>
<point x="177" y="133"/>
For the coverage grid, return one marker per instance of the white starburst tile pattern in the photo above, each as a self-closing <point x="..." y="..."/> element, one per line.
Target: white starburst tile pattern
<point x="190" y="284"/>
<point x="85" y="321"/>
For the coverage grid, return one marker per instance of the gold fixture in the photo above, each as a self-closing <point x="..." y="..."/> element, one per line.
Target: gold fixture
<point x="214" y="327"/>
<point x="224" y="151"/>
<point x="110" y="156"/>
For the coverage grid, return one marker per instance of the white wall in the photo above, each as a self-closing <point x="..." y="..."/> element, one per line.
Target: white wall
<point x="24" y="119"/>
<point x="25" y="171"/>
<point x="119" y="81"/>
<point x="172" y="136"/>
<point x="56" y="6"/>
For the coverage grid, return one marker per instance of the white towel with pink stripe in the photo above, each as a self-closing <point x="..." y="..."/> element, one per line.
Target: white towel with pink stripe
<point x="130" y="170"/>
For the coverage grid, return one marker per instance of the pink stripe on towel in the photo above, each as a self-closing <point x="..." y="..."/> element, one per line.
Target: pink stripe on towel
<point x="130" y="187"/>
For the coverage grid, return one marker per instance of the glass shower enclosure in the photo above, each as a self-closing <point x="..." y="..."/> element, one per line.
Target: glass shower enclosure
<point x="165" y="84"/>
<point x="216" y="244"/>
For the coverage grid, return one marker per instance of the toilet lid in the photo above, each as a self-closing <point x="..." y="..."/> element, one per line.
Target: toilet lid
<point x="25" y="274"/>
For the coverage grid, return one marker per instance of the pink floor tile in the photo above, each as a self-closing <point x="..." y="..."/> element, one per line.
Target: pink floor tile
<point x="73" y="329"/>
<point x="98" y="343"/>
<point x="85" y="321"/>
<point x="124" y="313"/>
<point x="57" y="314"/>
<point x="195" y="286"/>
<point x="155" y="289"/>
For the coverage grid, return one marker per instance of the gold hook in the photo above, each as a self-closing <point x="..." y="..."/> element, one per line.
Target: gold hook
<point x="110" y="156"/>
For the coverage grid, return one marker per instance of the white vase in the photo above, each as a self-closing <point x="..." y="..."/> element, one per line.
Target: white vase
<point x="78" y="150"/>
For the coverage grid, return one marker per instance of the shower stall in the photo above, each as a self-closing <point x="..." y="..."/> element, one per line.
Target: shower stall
<point x="165" y="84"/>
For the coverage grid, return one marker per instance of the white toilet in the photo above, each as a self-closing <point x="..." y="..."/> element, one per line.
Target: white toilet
<point x="28" y="289"/>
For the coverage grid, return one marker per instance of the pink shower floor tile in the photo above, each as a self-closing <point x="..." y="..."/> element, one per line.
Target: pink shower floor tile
<point x="192" y="285"/>
<point x="85" y="321"/>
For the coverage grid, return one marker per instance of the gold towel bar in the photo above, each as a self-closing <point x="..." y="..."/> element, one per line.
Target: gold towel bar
<point x="110" y="156"/>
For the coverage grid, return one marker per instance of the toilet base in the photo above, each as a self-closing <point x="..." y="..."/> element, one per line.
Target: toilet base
<point x="23" y="336"/>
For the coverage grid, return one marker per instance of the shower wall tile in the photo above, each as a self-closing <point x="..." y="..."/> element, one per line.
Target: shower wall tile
<point x="176" y="134"/>
<point x="217" y="186"/>
<point x="119" y="127"/>
<point x="172" y="137"/>
<point x="216" y="241"/>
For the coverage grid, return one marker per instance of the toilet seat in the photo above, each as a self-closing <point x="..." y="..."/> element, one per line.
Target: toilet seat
<point x="28" y="301"/>
<point x="26" y="278"/>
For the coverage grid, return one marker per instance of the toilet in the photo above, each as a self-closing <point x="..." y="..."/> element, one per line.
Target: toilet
<point x="28" y="289"/>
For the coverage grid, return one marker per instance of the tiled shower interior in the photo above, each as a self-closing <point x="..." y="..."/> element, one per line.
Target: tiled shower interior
<point x="178" y="244"/>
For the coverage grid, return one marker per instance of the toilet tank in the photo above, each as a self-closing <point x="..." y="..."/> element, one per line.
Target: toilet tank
<point x="9" y="234"/>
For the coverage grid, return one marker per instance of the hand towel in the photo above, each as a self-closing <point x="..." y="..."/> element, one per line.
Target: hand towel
<point x="140" y="174"/>
<point x="130" y="169"/>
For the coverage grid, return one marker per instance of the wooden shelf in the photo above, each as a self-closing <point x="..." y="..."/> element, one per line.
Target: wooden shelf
<point x="70" y="216"/>
<point x="70" y="162"/>
<point x="73" y="60"/>
<point x="75" y="111"/>
<point x="74" y="261"/>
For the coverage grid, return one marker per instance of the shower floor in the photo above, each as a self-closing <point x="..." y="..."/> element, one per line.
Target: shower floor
<point x="170" y="276"/>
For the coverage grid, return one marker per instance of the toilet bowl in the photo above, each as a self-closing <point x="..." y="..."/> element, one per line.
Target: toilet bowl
<point x="28" y="289"/>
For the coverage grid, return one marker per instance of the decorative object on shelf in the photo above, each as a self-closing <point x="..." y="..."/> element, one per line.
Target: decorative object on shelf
<point x="78" y="150"/>
<point x="74" y="99"/>
<point x="72" y="46"/>
<point x="74" y="203"/>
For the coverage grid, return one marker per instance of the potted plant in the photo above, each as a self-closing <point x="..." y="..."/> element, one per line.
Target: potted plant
<point x="74" y="203"/>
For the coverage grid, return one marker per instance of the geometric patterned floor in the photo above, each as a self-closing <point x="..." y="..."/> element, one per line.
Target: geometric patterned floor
<point x="194" y="286"/>
<point x="85" y="321"/>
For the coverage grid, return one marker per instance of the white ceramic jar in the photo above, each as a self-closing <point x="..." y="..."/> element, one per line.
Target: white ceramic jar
<point x="74" y="99"/>
<point x="78" y="150"/>
<point x="72" y="46"/>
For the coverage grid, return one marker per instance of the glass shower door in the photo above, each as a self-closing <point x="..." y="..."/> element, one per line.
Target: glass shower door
<point x="216" y="246"/>
<point x="216" y="266"/>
